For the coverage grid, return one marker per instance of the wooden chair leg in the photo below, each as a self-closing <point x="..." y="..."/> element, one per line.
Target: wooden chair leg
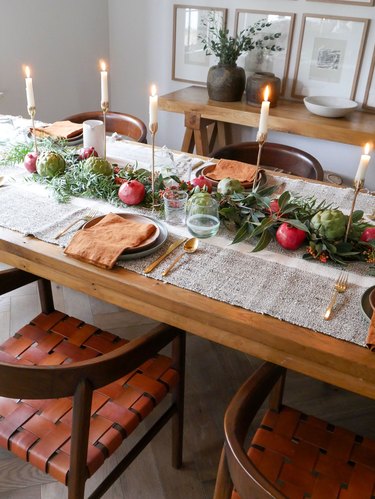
<point x="178" y="356"/>
<point x="80" y="436"/>
<point x="224" y="484"/>
<point x="45" y="295"/>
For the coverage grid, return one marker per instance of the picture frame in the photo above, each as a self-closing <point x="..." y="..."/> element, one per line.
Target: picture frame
<point x="329" y="58"/>
<point x="369" y="99"/>
<point x="189" y="61"/>
<point x="274" y="62"/>
<point x="368" y="3"/>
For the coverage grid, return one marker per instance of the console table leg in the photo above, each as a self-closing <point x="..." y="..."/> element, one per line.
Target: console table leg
<point x="224" y="133"/>
<point x="188" y="142"/>
<point x="201" y="141"/>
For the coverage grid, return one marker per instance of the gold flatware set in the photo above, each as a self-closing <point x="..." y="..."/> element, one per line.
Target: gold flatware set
<point x="341" y="285"/>
<point x="84" y="218"/>
<point x="190" y="246"/>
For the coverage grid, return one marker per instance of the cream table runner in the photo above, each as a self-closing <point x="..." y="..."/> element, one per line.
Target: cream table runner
<point x="274" y="281"/>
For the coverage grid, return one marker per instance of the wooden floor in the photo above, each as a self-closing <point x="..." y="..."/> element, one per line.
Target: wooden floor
<point x="213" y="375"/>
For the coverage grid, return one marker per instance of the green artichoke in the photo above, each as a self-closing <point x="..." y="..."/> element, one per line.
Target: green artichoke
<point x="99" y="166"/>
<point x="50" y="164"/>
<point x="329" y="224"/>
<point x="229" y="186"/>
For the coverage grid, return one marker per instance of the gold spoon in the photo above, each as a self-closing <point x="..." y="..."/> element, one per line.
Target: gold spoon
<point x="190" y="246"/>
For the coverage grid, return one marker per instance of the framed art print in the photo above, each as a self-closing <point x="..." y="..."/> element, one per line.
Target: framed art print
<point x="256" y="60"/>
<point x="369" y="3"/>
<point x="189" y="61"/>
<point x="369" y="100"/>
<point x="329" y="56"/>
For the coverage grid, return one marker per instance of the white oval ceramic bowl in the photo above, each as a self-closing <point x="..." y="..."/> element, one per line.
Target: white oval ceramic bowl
<point x="330" y="107"/>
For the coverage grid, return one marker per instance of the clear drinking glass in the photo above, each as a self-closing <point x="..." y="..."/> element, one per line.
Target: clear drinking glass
<point x="203" y="217"/>
<point x="175" y="206"/>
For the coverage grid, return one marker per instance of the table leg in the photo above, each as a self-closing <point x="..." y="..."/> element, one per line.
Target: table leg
<point x="188" y="142"/>
<point x="224" y="133"/>
<point x="196" y="133"/>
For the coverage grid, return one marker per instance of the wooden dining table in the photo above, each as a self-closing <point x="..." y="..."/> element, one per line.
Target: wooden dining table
<point x="326" y="358"/>
<point x="323" y="357"/>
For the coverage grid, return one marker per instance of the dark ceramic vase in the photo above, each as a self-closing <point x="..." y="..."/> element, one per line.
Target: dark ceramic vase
<point x="256" y="84"/>
<point x="226" y="82"/>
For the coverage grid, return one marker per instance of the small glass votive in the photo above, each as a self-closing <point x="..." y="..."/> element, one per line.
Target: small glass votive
<point x="203" y="217"/>
<point x="175" y="206"/>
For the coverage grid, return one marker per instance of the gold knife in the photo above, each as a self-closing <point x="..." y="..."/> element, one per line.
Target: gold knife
<point x="171" y="248"/>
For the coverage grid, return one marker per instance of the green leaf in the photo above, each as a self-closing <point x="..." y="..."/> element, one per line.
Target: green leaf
<point x="263" y="242"/>
<point x="242" y="233"/>
<point x="296" y="223"/>
<point x="284" y="199"/>
<point x="266" y="223"/>
<point x="357" y="215"/>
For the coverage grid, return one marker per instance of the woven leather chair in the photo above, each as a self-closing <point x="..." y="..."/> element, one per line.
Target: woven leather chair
<point x="70" y="393"/>
<point x="124" y="124"/>
<point x="291" y="454"/>
<point x="274" y="156"/>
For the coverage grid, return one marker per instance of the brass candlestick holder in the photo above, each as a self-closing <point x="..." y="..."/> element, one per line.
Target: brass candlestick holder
<point x="105" y="108"/>
<point x="153" y="130"/>
<point x="261" y="139"/>
<point x="32" y="110"/>
<point x="358" y="184"/>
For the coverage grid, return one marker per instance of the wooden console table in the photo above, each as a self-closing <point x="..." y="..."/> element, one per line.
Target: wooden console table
<point x="288" y="116"/>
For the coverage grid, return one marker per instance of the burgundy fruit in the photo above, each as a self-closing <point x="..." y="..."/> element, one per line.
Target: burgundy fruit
<point x="132" y="192"/>
<point x="202" y="182"/>
<point x="30" y="162"/>
<point x="290" y="237"/>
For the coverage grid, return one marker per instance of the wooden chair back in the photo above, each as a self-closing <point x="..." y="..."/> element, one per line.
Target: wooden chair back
<point x="124" y="124"/>
<point x="289" y="454"/>
<point x="274" y="156"/>
<point x="43" y="362"/>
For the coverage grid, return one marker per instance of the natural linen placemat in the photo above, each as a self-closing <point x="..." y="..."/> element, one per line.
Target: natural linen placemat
<point x="283" y="286"/>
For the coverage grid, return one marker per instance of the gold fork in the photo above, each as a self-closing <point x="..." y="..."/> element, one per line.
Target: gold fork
<point x="340" y="287"/>
<point x="84" y="218"/>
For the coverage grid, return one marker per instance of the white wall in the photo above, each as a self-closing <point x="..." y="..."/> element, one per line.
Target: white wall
<point x="141" y="53"/>
<point x="62" y="42"/>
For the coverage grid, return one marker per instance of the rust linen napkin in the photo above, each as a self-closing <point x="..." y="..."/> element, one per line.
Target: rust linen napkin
<point x="370" y="340"/>
<point x="104" y="242"/>
<point x="61" y="129"/>
<point x="233" y="169"/>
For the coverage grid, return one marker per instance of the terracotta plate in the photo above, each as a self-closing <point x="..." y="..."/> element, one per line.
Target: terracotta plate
<point x="246" y="185"/>
<point x="148" y="243"/>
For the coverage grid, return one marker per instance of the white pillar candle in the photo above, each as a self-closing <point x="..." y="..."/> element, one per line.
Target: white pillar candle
<point x="104" y="83"/>
<point x="363" y="164"/>
<point x="29" y="89"/>
<point x="153" y="108"/>
<point x="264" y="111"/>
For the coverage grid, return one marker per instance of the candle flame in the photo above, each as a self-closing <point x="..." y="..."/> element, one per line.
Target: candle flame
<point x="103" y="66"/>
<point x="366" y="149"/>
<point x="27" y="72"/>
<point x="153" y="90"/>
<point x="266" y="93"/>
